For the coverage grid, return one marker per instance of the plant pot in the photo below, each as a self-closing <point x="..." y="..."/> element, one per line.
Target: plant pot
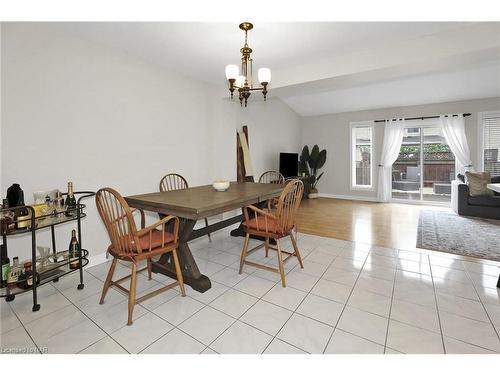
<point x="313" y="193"/>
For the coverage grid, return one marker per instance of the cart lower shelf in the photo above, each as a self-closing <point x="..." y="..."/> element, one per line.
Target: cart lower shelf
<point x="46" y="276"/>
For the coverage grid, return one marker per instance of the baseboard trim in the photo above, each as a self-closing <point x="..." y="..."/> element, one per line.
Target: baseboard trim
<point x="348" y="197"/>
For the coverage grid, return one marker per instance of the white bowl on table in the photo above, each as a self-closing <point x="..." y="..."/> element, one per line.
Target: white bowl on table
<point x="221" y="185"/>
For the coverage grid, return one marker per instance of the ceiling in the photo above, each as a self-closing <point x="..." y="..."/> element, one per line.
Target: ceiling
<point x="421" y="89"/>
<point x="325" y="67"/>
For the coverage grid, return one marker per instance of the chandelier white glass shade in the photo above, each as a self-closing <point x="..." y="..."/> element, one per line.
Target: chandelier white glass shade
<point x="243" y="81"/>
<point x="232" y="71"/>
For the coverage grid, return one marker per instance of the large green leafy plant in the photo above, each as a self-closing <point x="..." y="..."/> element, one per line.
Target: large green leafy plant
<point x="310" y="163"/>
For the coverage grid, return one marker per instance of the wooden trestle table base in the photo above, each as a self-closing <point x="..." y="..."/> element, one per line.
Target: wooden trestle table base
<point x="193" y="204"/>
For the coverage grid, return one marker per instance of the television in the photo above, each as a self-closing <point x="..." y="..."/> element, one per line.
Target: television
<point x="289" y="164"/>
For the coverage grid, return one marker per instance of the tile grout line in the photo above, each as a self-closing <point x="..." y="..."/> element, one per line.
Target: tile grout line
<point x="345" y="304"/>
<point x="482" y="304"/>
<point x="152" y="312"/>
<point x="178" y="325"/>
<point x="58" y="291"/>
<point x="437" y="307"/>
<point x="293" y="312"/>
<point x="208" y="305"/>
<point x="88" y="317"/>
<point x="390" y="308"/>
<point x="307" y="293"/>
<point x="22" y="325"/>
<point x="259" y="299"/>
<point x="43" y="316"/>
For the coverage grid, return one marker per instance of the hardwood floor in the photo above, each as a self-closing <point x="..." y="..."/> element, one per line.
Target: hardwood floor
<point x="383" y="224"/>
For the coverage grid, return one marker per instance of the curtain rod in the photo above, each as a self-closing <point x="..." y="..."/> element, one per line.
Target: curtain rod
<point x="421" y="118"/>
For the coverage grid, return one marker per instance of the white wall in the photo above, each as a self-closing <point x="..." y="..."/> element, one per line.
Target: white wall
<point x="75" y="110"/>
<point x="332" y="133"/>
<point x="272" y="126"/>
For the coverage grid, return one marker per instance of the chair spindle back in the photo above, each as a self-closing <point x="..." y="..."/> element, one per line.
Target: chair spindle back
<point x="173" y="181"/>
<point x="288" y="204"/>
<point x="271" y="177"/>
<point x="118" y="220"/>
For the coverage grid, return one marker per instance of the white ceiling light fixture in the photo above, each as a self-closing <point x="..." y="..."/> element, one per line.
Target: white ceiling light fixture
<point x="244" y="82"/>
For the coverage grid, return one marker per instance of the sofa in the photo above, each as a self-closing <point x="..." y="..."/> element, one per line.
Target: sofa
<point x="411" y="182"/>
<point x="487" y="206"/>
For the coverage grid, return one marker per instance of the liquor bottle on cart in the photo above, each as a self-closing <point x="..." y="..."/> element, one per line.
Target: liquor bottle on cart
<point x="74" y="251"/>
<point x="5" y="265"/>
<point x="27" y="276"/>
<point x="70" y="201"/>
<point x="59" y="204"/>
<point x="7" y="223"/>
<point x="22" y="215"/>
<point x="15" y="272"/>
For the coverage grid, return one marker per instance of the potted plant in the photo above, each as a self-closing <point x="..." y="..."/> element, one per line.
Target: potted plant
<point x="309" y="165"/>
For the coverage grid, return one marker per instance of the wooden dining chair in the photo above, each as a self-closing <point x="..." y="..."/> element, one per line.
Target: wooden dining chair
<point x="274" y="225"/>
<point x="174" y="181"/>
<point x="271" y="177"/>
<point x="133" y="245"/>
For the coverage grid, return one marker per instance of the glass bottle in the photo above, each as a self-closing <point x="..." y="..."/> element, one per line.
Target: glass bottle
<point x="22" y="214"/>
<point x="15" y="272"/>
<point x="74" y="251"/>
<point x="70" y="201"/>
<point x="26" y="277"/>
<point x="5" y="265"/>
<point x="59" y="204"/>
<point x="6" y="219"/>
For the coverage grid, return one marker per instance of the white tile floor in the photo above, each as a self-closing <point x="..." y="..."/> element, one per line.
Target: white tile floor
<point x="349" y="298"/>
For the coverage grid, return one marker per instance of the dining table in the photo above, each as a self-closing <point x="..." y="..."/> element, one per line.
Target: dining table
<point x="494" y="187"/>
<point x="196" y="203"/>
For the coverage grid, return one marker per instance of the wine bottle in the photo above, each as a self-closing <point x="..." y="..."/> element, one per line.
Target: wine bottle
<point x="27" y="276"/>
<point x="22" y="214"/>
<point x="74" y="251"/>
<point x="5" y="265"/>
<point x="70" y="201"/>
<point x="15" y="272"/>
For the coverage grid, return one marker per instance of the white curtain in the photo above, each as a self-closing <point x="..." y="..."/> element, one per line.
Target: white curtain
<point x="454" y="132"/>
<point x="393" y="137"/>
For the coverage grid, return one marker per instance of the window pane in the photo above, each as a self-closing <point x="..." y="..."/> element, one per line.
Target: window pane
<point x="362" y="155"/>
<point x="491" y="128"/>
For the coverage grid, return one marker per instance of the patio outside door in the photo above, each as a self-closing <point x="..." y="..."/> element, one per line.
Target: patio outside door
<point x="425" y="167"/>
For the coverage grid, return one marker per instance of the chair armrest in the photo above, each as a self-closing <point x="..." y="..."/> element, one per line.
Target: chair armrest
<point x="260" y="211"/>
<point x="161" y="223"/>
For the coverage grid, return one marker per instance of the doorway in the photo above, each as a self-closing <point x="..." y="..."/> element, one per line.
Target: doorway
<point x="424" y="168"/>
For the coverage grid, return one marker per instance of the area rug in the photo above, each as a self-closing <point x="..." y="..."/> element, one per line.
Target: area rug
<point x="461" y="235"/>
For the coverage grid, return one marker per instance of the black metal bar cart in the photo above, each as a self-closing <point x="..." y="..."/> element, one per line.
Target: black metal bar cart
<point x="55" y="265"/>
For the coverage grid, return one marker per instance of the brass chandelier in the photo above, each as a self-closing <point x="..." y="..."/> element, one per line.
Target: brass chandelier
<point x="244" y="82"/>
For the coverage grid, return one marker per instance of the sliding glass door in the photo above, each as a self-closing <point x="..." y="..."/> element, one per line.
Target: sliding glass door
<point x="406" y="171"/>
<point x="425" y="166"/>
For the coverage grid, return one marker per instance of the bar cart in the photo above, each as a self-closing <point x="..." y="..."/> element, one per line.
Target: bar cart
<point x="56" y="264"/>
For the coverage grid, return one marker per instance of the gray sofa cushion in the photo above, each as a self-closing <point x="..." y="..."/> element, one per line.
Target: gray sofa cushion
<point x="484" y="200"/>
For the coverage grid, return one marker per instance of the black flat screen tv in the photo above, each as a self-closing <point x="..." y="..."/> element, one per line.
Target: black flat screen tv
<point x="289" y="164"/>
